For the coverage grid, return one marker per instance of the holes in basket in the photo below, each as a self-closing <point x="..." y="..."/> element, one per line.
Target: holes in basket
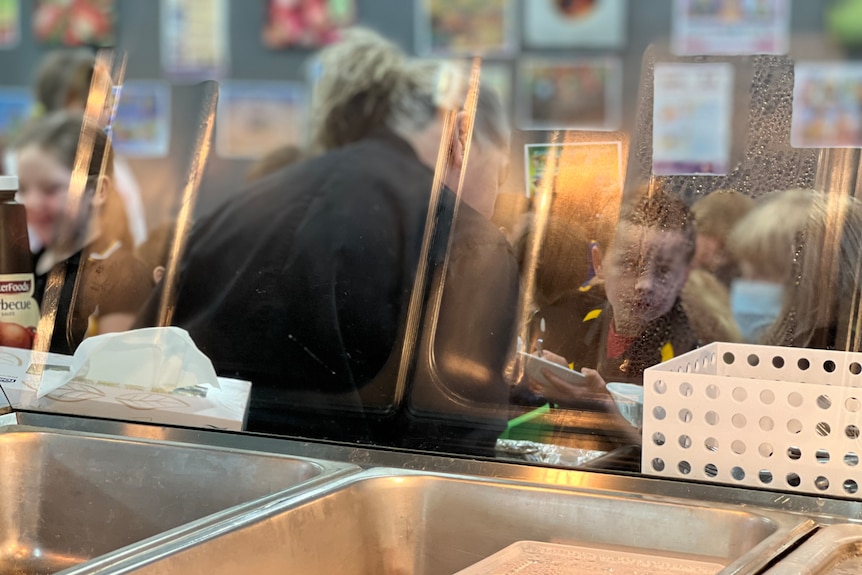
<point x="855" y="368"/>
<point x="829" y="366"/>
<point x="684" y="467"/>
<point x="794" y="426"/>
<point x="753" y="360"/>
<point x="737" y="473"/>
<point x="711" y="444"/>
<point x="766" y="423"/>
<point x="794" y="399"/>
<point x="803" y="364"/>
<point x="852" y="432"/>
<point x="712" y="391"/>
<point x="766" y="450"/>
<point x="793" y="480"/>
<point x="658" y="412"/>
<point x="851" y="486"/>
<point x="822" y="456"/>
<point x="658" y="464"/>
<point x="739" y="394"/>
<point x="823" y="402"/>
<point x="823" y="429"/>
<point x="711" y="418"/>
<point x="777" y="362"/>
<point x="685" y="415"/>
<point x="685" y="389"/>
<point x="710" y="470"/>
<point x="738" y="447"/>
<point x="851" y="459"/>
<point x="728" y="358"/>
<point x="821" y="483"/>
<point x="765" y="476"/>
<point x="738" y="420"/>
<point x="684" y="441"/>
<point x="658" y="438"/>
<point x="794" y="453"/>
<point x="659" y="386"/>
<point x="767" y="397"/>
<point x="852" y="404"/>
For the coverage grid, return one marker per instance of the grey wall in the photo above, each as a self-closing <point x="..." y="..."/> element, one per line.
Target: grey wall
<point x="137" y="35"/>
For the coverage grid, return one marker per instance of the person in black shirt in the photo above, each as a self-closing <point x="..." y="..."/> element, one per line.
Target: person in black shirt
<point x="303" y="283"/>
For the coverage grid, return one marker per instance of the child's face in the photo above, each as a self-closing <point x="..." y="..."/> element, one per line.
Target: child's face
<point x="43" y="188"/>
<point x="644" y="272"/>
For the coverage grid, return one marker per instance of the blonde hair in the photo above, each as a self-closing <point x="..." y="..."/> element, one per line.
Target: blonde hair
<point x="816" y="239"/>
<point x="717" y="213"/>
<point x="367" y="82"/>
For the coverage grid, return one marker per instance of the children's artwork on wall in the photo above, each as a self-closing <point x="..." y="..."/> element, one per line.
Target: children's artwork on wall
<point x="574" y="94"/>
<point x="730" y="27"/>
<point x="306" y="23"/>
<point x="692" y="113"/>
<point x="465" y="27"/>
<point x="16" y="107"/>
<point x="10" y="23"/>
<point x="194" y="39"/>
<point x="827" y="105"/>
<point x="596" y="165"/>
<point x="575" y="23"/>
<point x="74" y="22"/>
<point x="141" y="125"/>
<point x="255" y="118"/>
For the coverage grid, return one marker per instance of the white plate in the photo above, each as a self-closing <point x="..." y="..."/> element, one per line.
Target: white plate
<point x="533" y="366"/>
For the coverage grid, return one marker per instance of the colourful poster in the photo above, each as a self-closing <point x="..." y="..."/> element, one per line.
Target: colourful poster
<point x="464" y="27"/>
<point x="74" y="22"/>
<point x="255" y="118"/>
<point x="194" y="39"/>
<point x="306" y="23"/>
<point x="16" y="107"/>
<point x="141" y="124"/>
<point x="730" y="27"/>
<point x="575" y="94"/>
<point x="575" y="23"/>
<point x="595" y="165"/>
<point x="692" y="113"/>
<point x="827" y="105"/>
<point x="10" y="23"/>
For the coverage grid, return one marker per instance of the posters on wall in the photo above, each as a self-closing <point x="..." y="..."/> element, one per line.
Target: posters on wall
<point x="595" y="165"/>
<point x="575" y="23"/>
<point x="141" y="124"/>
<point x="692" y="113"/>
<point x="16" y="107"/>
<point x="572" y="94"/>
<point x="730" y="27"/>
<point x="465" y="27"/>
<point x="10" y="23"/>
<point x="827" y="105"/>
<point x="74" y="22"/>
<point x="194" y="39"/>
<point x="255" y="118"/>
<point x="306" y="23"/>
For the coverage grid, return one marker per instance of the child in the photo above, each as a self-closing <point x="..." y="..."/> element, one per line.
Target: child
<point x="91" y="246"/>
<point x="642" y="266"/>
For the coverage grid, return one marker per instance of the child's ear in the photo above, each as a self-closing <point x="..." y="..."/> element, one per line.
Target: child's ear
<point x="100" y="195"/>
<point x="598" y="257"/>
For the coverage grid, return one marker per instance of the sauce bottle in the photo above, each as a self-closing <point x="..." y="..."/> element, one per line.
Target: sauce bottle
<point x="19" y="311"/>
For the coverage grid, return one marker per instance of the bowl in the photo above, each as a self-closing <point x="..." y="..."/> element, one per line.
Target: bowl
<point x="629" y="398"/>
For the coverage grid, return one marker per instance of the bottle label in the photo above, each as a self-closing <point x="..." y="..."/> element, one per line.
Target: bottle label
<point x="19" y="311"/>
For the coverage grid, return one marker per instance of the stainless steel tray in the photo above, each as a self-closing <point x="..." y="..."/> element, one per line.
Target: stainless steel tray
<point x="386" y="521"/>
<point x="67" y="497"/>
<point x="834" y="550"/>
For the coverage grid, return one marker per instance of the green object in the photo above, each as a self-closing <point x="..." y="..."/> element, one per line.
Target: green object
<point x="530" y="426"/>
<point x="844" y="21"/>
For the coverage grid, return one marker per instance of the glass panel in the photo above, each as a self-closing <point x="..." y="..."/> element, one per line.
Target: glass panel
<point x="470" y="230"/>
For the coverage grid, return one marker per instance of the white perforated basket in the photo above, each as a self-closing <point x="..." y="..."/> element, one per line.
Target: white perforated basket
<point x="770" y="417"/>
